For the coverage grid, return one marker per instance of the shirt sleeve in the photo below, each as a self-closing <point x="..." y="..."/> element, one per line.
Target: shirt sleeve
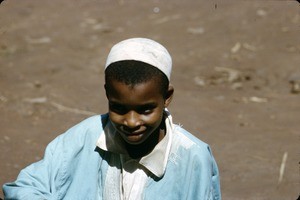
<point x="216" y="190"/>
<point x="36" y="181"/>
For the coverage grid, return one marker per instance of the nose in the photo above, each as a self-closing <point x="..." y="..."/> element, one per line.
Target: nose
<point x="132" y="119"/>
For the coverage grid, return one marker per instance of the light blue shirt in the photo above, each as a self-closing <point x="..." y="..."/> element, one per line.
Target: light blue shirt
<point x="74" y="167"/>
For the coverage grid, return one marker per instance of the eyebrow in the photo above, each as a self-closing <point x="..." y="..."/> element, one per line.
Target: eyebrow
<point x="147" y="104"/>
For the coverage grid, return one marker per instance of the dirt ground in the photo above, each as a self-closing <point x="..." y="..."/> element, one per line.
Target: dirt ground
<point x="236" y="75"/>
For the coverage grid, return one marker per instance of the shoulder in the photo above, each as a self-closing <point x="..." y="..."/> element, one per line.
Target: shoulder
<point x="77" y="144"/>
<point x="87" y="131"/>
<point x="192" y="162"/>
<point x="190" y="145"/>
<point x="187" y="138"/>
<point x="90" y="124"/>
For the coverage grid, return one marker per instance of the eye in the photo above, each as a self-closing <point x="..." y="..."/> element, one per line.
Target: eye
<point x="117" y="108"/>
<point x="146" y="112"/>
<point x="147" y="109"/>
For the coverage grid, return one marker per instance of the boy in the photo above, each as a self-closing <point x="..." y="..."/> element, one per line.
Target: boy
<point x="133" y="152"/>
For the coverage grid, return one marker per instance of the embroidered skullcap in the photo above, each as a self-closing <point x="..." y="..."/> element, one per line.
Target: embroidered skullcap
<point x="144" y="50"/>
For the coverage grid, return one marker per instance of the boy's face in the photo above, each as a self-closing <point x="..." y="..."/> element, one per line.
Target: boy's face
<point x="136" y="111"/>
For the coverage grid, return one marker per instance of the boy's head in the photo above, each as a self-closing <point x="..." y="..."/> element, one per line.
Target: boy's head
<point x="131" y="73"/>
<point x="138" y="60"/>
<point x="137" y="75"/>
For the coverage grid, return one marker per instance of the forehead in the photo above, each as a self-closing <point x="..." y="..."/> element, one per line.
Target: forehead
<point x="132" y="72"/>
<point x="140" y="93"/>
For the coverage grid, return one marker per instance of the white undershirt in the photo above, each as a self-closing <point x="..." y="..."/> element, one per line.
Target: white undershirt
<point x="133" y="179"/>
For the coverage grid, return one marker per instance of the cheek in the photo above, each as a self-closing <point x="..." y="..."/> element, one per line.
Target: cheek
<point x="153" y="120"/>
<point x="114" y="118"/>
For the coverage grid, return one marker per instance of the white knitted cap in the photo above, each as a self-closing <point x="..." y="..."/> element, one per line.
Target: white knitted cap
<point x="144" y="50"/>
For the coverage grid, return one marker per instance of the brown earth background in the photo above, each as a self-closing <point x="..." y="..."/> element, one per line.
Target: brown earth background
<point x="236" y="75"/>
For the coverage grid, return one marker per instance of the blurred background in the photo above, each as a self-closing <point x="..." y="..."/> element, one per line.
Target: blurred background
<point x="236" y="73"/>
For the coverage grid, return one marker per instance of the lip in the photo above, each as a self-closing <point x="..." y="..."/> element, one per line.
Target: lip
<point x="134" y="137"/>
<point x="135" y="133"/>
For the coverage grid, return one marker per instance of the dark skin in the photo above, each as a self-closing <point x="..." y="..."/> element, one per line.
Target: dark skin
<point x="136" y="111"/>
<point x="140" y="150"/>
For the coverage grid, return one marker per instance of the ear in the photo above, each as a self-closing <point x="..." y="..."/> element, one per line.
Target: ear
<point x="169" y="95"/>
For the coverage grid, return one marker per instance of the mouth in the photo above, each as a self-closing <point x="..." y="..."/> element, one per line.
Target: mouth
<point x="134" y="133"/>
<point x="134" y="136"/>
